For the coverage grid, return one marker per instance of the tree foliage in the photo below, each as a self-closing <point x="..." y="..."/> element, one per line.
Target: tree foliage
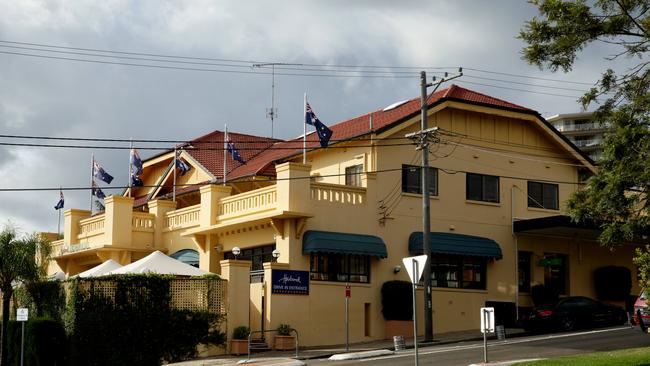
<point x="18" y="263"/>
<point x="615" y="199"/>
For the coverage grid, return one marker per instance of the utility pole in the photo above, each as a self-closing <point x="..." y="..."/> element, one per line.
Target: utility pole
<point x="422" y="139"/>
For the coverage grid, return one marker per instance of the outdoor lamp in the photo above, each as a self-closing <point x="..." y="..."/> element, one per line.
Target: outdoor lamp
<point x="236" y="251"/>
<point x="276" y="254"/>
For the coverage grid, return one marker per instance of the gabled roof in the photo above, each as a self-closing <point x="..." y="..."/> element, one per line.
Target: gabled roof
<point x="261" y="153"/>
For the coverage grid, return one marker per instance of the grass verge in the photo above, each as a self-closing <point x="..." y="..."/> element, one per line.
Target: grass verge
<point x="625" y="357"/>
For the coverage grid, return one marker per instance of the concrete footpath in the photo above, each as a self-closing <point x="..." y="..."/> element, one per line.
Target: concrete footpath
<point x="337" y="352"/>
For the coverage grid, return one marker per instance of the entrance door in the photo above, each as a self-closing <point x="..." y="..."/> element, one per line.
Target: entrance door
<point x="256" y="317"/>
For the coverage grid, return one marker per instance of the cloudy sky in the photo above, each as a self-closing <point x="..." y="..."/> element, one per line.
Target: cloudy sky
<point x="50" y="93"/>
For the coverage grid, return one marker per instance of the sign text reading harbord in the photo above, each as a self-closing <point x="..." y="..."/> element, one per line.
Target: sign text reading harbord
<point x="289" y="282"/>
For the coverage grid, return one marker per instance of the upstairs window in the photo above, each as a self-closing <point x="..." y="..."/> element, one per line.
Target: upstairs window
<point x="543" y="195"/>
<point x="482" y="188"/>
<point x="353" y="175"/>
<point x="412" y="180"/>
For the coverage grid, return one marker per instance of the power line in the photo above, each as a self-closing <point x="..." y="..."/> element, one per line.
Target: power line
<point x="250" y="62"/>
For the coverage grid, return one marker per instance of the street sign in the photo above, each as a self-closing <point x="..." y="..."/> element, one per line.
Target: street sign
<point x="348" y="291"/>
<point x="22" y="314"/>
<point x="487" y="320"/>
<point x="421" y="261"/>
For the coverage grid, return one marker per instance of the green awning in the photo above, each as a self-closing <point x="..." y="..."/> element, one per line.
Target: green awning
<point x="456" y="244"/>
<point x="332" y="242"/>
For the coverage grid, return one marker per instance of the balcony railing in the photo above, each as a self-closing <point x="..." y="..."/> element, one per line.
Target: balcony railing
<point x="142" y="221"/>
<point x="183" y="218"/>
<point x="583" y="127"/>
<point x="252" y="202"/>
<point x="92" y="226"/>
<point x="336" y="193"/>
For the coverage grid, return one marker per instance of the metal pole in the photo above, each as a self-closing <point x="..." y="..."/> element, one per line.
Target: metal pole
<point x="416" y="275"/>
<point x="22" y="343"/>
<point x="225" y="152"/>
<point x="174" y="171"/>
<point x="485" y="330"/>
<point x="426" y="220"/>
<point x="347" y="323"/>
<point x="272" y="97"/>
<point x="130" y="166"/>
<point x="304" y="132"/>
<point x="92" y="170"/>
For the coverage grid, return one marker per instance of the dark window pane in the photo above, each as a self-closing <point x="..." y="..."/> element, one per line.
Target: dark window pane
<point x="550" y="196"/>
<point x="410" y="179"/>
<point x="474" y="187"/>
<point x="339" y="267"/>
<point x="524" y="271"/>
<point x="534" y="194"/>
<point x="543" y="195"/>
<point x="353" y="175"/>
<point x="490" y="188"/>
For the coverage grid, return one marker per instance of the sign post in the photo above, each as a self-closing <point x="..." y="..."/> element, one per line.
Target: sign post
<point x="413" y="267"/>
<point x="348" y="292"/>
<point x="21" y="315"/>
<point x="487" y="326"/>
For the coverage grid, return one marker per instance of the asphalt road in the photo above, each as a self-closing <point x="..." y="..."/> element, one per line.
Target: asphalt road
<point x="543" y="346"/>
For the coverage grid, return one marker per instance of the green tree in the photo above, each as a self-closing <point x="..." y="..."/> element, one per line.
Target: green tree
<point x="18" y="263"/>
<point x="615" y="199"/>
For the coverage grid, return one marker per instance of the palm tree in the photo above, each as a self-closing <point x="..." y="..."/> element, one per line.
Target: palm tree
<point x="18" y="263"/>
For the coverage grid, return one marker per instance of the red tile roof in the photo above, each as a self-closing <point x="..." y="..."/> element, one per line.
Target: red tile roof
<point x="261" y="152"/>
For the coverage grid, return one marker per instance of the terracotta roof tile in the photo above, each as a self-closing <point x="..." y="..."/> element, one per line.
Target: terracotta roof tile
<point x="261" y="152"/>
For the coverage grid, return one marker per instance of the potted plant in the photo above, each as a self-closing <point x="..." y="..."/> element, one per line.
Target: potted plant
<point x="284" y="341"/>
<point x="239" y="341"/>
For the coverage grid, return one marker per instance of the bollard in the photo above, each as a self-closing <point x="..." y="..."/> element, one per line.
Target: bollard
<point x="400" y="345"/>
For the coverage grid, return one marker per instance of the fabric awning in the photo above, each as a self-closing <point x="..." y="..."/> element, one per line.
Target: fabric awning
<point x="456" y="244"/>
<point x="314" y="241"/>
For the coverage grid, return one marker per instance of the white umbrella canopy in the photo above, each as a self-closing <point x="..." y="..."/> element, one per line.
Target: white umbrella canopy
<point x="158" y="262"/>
<point x="100" y="270"/>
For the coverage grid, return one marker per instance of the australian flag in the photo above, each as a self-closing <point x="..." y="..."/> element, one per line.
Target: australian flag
<point x="181" y="165"/>
<point x="324" y="133"/>
<point x="59" y="205"/>
<point x="101" y="174"/>
<point x="234" y="153"/>
<point x="136" y="168"/>
<point x="97" y="192"/>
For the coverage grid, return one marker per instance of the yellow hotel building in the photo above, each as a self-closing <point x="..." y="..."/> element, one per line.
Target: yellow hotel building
<point x="500" y="177"/>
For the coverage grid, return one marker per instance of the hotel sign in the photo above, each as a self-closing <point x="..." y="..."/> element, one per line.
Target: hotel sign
<point x="289" y="282"/>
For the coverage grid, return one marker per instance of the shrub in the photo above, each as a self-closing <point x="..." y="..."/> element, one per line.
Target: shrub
<point x="543" y="295"/>
<point x="613" y="283"/>
<point x="283" y="329"/>
<point x="397" y="300"/>
<point x="241" y="332"/>
<point x="45" y="343"/>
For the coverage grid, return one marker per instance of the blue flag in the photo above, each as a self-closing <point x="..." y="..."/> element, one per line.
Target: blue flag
<point x="136" y="162"/>
<point x="101" y="174"/>
<point x="234" y="153"/>
<point x="59" y="205"/>
<point x="97" y="192"/>
<point x="324" y="133"/>
<point x="181" y="165"/>
<point x="136" y="181"/>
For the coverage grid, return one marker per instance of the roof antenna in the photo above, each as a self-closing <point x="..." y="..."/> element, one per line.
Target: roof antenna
<point x="272" y="112"/>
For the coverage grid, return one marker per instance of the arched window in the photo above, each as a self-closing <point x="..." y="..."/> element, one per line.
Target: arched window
<point x="188" y="256"/>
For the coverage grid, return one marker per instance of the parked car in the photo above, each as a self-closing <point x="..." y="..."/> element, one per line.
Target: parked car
<point x="641" y="306"/>
<point x="574" y="312"/>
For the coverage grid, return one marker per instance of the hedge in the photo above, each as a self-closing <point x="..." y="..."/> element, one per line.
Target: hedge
<point x="45" y="343"/>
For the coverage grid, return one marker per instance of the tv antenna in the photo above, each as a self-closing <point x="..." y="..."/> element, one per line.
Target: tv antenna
<point x="272" y="112"/>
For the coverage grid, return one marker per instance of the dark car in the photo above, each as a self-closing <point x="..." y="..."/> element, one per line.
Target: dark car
<point x="574" y="312"/>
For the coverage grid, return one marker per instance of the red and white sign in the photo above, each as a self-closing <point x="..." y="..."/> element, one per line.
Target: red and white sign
<point x="348" y="291"/>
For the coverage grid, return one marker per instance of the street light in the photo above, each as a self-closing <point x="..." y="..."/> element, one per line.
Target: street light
<point x="276" y="254"/>
<point x="236" y="251"/>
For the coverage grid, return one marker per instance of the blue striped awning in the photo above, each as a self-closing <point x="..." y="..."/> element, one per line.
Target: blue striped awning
<point x="456" y="244"/>
<point x="315" y="241"/>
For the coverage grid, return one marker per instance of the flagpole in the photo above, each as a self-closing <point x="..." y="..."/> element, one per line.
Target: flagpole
<point x="225" y="152"/>
<point x="92" y="168"/>
<point x="130" y="165"/>
<point x="304" y="132"/>
<point x="174" y="168"/>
